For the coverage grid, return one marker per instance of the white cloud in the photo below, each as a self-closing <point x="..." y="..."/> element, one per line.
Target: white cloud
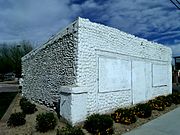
<point x="33" y="19"/>
<point x="37" y="20"/>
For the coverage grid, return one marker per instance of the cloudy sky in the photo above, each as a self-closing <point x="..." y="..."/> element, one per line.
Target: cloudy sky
<point x="37" y="20"/>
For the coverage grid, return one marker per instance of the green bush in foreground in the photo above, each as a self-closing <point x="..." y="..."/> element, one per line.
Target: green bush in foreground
<point x="22" y="101"/>
<point x="168" y="100"/>
<point x="99" y="124"/>
<point x="124" y="116"/>
<point x="16" y="119"/>
<point x="143" y="110"/>
<point x="27" y="107"/>
<point x="45" y="122"/>
<point x="70" y="131"/>
<point x="176" y="98"/>
<point x="157" y="104"/>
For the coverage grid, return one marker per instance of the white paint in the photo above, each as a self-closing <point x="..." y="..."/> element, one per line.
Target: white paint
<point x="148" y="78"/>
<point x="108" y="101"/>
<point x="65" y="106"/>
<point x="114" y="74"/>
<point x="73" y="104"/>
<point x="140" y="77"/>
<point x="89" y="85"/>
<point x="73" y="89"/>
<point x="160" y="75"/>
<point x="79" y="107"/>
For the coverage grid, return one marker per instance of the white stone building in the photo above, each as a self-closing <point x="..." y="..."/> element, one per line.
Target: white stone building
<point x="91" y="68"/>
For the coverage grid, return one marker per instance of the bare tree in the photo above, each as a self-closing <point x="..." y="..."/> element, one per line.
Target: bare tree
<point x="10" y="56"/>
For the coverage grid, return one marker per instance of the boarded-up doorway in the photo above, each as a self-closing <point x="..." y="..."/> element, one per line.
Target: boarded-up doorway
<point x="141" y="81"/>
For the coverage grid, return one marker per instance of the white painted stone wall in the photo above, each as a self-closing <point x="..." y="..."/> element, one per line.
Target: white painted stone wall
<point x="97" y="45"/>
<point x="111" y="69"/>
<point x="51" y="66"/>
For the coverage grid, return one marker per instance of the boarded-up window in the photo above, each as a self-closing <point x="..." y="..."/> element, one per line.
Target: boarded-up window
<point x="114" y="74"/>
<point x="160" y="75"/>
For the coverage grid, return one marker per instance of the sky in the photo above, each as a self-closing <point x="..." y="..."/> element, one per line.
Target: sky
<point x="38" y="20"/>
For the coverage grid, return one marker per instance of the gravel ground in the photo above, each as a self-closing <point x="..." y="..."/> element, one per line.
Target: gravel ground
<point x="29" y="127"/>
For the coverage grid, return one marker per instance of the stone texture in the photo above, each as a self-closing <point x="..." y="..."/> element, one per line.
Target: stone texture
<point x="51" y="66"/>
<point x="66" y="68"/>
<point x="97" y="40"/>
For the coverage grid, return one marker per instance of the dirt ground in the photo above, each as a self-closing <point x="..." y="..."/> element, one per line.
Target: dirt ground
<point x="120" y="128"/>
<point x="29" y="127"/>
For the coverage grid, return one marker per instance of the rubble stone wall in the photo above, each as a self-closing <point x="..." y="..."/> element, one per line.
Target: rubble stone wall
<point x="97" y="41"/>
<point x="81" y="67"/>
<point x="51" y="66"/>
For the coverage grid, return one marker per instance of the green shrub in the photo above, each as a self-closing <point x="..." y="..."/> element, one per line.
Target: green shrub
<point x="176" y="98"/>
<point x="160" y="102"/>
<point x="99" y="124"/>
<point x="45" y="122"/>
<point x="161" y="98"/>
<point x="168" y="100"/>
<point x="22" y="101"/>
<point x="124" y="116"/>
<point x="16" y="119"/>
<point x="70" y="131"/>
<point x="156" y="104"/>
<point x="143" y="110"/>
<point x="27" y="107"/>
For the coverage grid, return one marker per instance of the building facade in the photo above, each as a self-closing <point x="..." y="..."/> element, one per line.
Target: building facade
<point x="91" y="68"/>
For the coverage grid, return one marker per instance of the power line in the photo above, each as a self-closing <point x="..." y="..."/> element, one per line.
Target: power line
<point x="176" y="3"/>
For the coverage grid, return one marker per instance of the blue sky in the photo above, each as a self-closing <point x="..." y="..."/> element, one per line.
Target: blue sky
<point x="37" y="20"/>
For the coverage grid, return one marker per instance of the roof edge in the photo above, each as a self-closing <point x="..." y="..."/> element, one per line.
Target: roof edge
<point x="49" y="41"/>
